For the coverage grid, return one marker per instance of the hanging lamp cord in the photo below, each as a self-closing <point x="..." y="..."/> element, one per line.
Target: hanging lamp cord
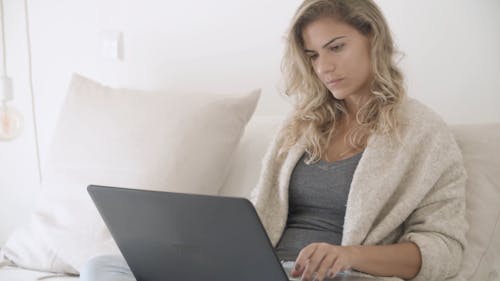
<point x="30" y="79"/>
<point x="4" y="56"/>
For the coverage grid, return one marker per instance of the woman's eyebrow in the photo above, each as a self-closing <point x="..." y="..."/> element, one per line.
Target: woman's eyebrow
<point x="326" y="44"/>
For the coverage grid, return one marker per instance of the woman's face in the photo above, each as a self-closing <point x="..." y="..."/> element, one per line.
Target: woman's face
<point x="340" y="56"/>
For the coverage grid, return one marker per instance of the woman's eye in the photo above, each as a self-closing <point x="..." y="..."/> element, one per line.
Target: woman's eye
<point x="313" y="57"/>
<point x="337" y="48"/>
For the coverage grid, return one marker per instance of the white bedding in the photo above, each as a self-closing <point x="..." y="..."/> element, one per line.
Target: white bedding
<point x="17" y="274"/>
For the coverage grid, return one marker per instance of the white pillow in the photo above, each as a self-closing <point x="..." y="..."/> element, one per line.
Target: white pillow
<point x="125" y="138"/>
<point x="247" y="160"/>
<point x="480" y="148"/>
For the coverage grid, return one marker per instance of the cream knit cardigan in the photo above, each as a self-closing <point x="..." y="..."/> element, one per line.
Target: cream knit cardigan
<point x="411" y="189"/>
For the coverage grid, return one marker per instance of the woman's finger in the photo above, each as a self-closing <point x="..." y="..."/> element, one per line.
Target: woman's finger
<point x="336" y="268"/>
<point x="325" y="266"/>
<point x="313" y="264"/>
<point x="303" y="257"/>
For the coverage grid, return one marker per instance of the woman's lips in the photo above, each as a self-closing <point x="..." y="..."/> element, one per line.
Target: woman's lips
<point x="334" y="82"/>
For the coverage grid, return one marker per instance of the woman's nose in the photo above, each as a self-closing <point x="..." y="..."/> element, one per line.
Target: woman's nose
<point x="324" y="65"/>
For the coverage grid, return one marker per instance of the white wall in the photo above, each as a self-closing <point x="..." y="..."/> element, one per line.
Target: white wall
<point x="451" y="61"/>
<point x="19" y="182"/>
<point x="452" y="52"/>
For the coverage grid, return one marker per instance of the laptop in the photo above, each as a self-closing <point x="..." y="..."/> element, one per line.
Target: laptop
<point x="177" y="236"/>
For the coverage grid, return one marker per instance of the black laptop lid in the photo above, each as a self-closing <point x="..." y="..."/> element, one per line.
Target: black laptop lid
<point x="174" y="236"/>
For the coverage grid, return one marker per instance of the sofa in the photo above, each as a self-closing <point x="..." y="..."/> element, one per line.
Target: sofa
<point x="480" y="145"/>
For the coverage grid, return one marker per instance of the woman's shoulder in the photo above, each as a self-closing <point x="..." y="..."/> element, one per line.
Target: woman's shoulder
<point x="417" y="118"/>
<point x="416" y="112"/>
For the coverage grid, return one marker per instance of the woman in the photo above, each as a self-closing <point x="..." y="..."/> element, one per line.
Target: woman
<point x="359" y="177"/>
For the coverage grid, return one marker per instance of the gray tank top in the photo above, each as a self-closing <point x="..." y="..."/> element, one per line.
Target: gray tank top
<point x="317" y="202"/>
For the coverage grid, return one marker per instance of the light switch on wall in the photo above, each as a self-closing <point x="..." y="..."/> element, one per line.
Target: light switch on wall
<point x="112" y="45"/>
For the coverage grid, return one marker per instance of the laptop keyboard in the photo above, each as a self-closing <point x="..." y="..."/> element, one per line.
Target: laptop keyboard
<point x="287" y="266"/>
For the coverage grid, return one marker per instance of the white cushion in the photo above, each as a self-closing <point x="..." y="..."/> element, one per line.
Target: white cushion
<point x="247" y="161"/>
<point x="118" y="137"/>
<point x="480" y="145"/>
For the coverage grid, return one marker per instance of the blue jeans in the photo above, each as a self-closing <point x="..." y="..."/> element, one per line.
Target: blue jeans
<point x="106" y="268"/>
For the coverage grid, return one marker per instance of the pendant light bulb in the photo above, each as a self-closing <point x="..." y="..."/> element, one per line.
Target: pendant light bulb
<point x="11" y="121"/>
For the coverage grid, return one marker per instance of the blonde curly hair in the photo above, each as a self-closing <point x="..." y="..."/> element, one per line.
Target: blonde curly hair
<point x="316" y="110"/>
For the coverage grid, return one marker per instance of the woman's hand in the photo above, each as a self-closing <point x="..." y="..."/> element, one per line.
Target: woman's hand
<point x="322" y="260"/>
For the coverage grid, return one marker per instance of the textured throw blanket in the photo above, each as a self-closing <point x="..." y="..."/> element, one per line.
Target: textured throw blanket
<point x="411" y="189"/>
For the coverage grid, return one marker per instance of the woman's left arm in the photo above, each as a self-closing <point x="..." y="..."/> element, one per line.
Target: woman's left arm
<point x="402" y="260"/>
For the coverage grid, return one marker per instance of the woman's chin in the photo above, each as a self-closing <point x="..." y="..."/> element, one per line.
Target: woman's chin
<point x="337" y="95"/>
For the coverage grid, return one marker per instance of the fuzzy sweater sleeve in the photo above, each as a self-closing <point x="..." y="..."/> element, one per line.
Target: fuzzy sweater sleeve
<point x="438" y="224"/>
